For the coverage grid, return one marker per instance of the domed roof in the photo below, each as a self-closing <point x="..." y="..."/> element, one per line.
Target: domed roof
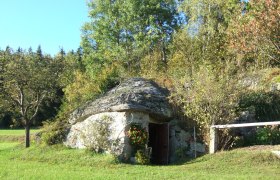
<point x="135" y="94"/>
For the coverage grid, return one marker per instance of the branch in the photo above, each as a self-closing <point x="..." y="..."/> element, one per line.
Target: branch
<point x="21" y="101"/>
<point x="32" y="103"/>
<point x="277" y="47"/>
<point x="37" y="105"/>
<point x="271" y="57"/>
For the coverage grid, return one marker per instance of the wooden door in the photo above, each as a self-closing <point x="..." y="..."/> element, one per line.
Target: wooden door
<point x="159" y="141"/>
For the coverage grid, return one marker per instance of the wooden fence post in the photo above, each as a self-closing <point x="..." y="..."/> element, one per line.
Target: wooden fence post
<point x="213" y="143"/>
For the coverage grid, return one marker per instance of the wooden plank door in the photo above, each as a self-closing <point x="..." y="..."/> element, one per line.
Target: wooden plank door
<point x="159" y="141"/>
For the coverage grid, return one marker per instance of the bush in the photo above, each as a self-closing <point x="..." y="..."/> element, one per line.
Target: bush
<point x="209" y="96"/>
<point x="142" y="157"/>
<point x="265" y="105"/>
<point x="268" y="135"/>
<point x="54" y="132"/>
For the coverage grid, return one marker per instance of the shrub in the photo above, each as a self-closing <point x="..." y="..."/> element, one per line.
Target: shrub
<point x="265" y="105"/>
<point x="268" y="135"/>
<point x="55" y="132"/>
<point x="209" y="96"/>
<point x="142" y="157"/>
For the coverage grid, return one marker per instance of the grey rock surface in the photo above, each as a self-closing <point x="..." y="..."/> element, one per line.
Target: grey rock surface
<point x="135" y="94"/>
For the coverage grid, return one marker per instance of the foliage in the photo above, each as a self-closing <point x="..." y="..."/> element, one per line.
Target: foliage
<point x="268" y="135"/>
<point x="124" y="31"/>
<point x="152" y="66"/>
<point x="209" y="97"/>
<point x="72" y="61"/>
<point x="142" y="157"/>
<point x="5" y="119"/>
<point x="255" y="34"/>
<point x="84" y="88"/>
<point x="27" y="81"/>
<point x="54" y="132"/>
<point x="207" y="28"/>
<point x="203" y="71"/>
<point x="210" y="17"/>
<point x="265" y="105"/>
<point x="137" y="135"/>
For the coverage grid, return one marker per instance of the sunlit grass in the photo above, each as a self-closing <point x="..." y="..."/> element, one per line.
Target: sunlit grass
<point x="58" y="162"/>
<point x="16" y="132"/>
<point x="17" y="135"/>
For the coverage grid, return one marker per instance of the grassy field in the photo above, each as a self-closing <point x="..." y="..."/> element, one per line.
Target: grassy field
<point x="16" y="132"/>
<point x="58" y="162"/>
<point x="15" y="135"/>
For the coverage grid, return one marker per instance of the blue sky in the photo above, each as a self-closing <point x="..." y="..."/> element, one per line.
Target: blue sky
<point x="49" y="23"/>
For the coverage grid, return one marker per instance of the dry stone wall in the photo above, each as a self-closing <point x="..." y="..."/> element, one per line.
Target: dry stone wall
<point x="106" y="132"/>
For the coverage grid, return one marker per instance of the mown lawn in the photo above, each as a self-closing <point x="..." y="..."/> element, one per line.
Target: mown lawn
<point x="58" y="162"/>
<point x="15" y="135"/>
<point x="16" y="132"/>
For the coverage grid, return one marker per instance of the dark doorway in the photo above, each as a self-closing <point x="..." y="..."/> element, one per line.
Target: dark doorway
<point x="159" y="142"/>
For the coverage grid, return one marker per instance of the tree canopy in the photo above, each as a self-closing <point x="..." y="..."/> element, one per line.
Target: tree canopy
<point x="27" y="80"/>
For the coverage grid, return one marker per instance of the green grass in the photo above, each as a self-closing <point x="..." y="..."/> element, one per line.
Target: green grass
<point x="15" y="135"/>
<point x="59" y="162"/>
<point x="16" y="132"/>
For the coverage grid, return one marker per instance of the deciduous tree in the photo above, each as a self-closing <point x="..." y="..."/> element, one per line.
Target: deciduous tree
<point x="125" y="31"/>
<point x="27" y="81"/>
<point x="255" y="34"/>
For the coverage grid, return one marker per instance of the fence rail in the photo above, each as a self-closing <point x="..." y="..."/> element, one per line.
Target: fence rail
<point x="213" y="131"/>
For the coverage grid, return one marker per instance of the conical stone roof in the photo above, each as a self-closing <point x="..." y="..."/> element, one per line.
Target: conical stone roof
<point x="135" y="94"/>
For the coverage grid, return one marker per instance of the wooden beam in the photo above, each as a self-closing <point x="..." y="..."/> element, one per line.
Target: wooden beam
<point x="246" y="125"/>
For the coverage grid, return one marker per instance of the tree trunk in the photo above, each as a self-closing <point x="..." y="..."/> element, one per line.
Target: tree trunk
<point x="164" y="59"/>
<point x="27" y="135"/>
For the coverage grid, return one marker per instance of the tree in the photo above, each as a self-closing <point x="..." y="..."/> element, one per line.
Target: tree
<point x="201" y="68"/>
<point x="203" y="40"/>
<point x="255" y="34"/>
<point x="125" y="31"/>
<point x="208" y="25"/>
<point x="210" y="96"/>
<point x="26" y="82"/>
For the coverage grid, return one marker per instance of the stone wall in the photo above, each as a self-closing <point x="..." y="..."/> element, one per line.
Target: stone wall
<point x="85" y="134"/>
<point x="178" y="143"/>
<point x="181" y="143"/>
